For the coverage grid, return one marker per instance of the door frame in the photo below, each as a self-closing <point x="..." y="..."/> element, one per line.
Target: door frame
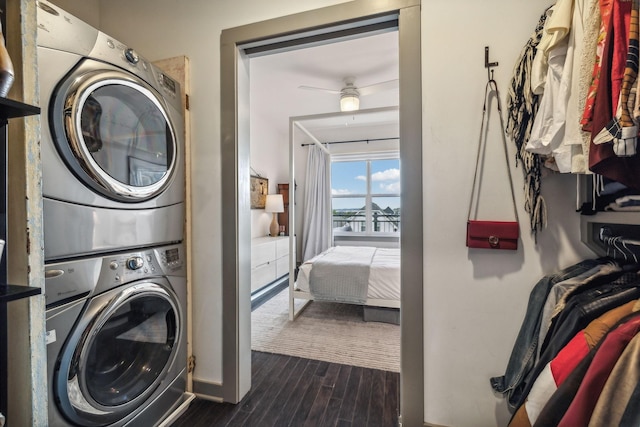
<point x="234" y="146"/>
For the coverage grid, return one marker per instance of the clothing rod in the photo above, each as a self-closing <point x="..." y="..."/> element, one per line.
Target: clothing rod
<point x="355" y="140"/>
<point x="607" y="236"/>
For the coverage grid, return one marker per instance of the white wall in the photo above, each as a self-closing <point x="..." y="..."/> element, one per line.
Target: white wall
<point x="474" y="301"/>
<point x="269" y="159"/>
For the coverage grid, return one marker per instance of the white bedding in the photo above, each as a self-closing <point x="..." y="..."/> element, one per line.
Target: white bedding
<point x="384" y="276"/>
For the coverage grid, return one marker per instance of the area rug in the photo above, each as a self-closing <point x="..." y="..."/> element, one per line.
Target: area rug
<point x="325" y="331"/>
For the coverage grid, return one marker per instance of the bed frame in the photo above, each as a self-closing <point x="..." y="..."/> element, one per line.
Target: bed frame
<point x="295" y="294"/>
<point x="295" y="309"/>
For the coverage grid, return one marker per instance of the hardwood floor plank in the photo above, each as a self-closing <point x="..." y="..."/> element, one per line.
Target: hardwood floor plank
<point x="306" y="403"/>
<point x="391" y="399"/>
<point x="350" y="394"/>
<point x="291" y="391"/>
<point x="264" y="370"/>
<point x="330" y="416"/>
<point x="270" y="392"/>
<point x="271" y="415"/>
<point x="342" y="381"/>
<point x="259" y="395"/>
<point x="363" y="399"/>
<point x="290" y="406"/>
<point x="375" y="413"/>
<point x="322" y="369"/>
<point x="331" y="375"/>
<point x="319" y="407"/>
<point x="236" y="419"/>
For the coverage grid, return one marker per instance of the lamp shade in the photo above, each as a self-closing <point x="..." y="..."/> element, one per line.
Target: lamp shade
<point x="349" y="102"/>
<point x="274" y="203"/>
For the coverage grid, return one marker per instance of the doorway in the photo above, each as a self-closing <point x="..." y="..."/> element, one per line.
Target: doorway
<point x="321" y="25"/>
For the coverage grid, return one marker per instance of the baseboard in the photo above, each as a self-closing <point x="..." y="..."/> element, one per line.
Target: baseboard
<point x="207" y="390"/>
<point x="186" y="401"/>
<point x="263" y="295"/>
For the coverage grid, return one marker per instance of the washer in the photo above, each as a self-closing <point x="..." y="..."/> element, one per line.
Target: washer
<point x="116" y="338"/>
<point x="112" y="143"/>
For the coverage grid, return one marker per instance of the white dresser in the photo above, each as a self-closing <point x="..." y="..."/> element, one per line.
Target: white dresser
<point x="269" y="260"/>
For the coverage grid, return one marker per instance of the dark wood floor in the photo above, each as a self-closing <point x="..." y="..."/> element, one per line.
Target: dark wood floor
<point x="290" y="391"/>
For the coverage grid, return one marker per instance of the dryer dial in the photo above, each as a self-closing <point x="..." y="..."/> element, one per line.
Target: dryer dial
<point x="131" y="56"/>
<point x="135" y="263"/>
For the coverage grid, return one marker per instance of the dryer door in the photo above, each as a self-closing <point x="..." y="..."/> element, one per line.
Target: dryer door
<point x="113" y="131"/>
<point x="118" y="354"/>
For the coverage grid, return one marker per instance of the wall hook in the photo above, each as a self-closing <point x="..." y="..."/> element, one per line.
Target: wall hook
<point x="488" y="65"/>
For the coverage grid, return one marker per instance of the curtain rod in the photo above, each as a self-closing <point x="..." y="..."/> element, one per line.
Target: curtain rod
<point x="354" y="140"/>
<point x="313" y="138"/>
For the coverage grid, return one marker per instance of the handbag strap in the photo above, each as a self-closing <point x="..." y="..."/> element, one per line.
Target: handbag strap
<point x="492" y="86"/>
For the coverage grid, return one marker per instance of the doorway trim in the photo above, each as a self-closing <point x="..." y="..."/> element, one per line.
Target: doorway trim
<point x="234" y="146"/>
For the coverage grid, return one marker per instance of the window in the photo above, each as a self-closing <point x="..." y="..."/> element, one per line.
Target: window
<point x="365" y="194"/>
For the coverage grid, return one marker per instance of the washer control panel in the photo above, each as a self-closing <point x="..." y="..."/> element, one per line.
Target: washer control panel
<point x="131" y="56"/>
<point x="118" y="269"/>
<point x="135" y="263"/>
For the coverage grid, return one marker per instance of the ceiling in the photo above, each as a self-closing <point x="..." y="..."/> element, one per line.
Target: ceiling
<point x="276" y="96"/>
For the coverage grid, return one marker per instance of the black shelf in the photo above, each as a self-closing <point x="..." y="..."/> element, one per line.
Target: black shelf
<point x="15" y="292"/>
<point x="9" y="109"/>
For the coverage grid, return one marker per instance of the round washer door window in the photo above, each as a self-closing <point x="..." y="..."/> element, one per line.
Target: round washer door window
<point x="118" y="136"/>
<point x="117" y="360"/>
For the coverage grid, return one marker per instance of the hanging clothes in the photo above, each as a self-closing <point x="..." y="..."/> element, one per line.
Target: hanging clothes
<point x="556" y="130"/>
<point x="522" y="106"/>
<point x="523" y="358"/>
<point x="561" y="377"/>
<point x="599" y="360"/>
<point x="605" y="8"/>
<point x="602" y="158"/>
<point x="619" y="401"/>
<point x="556" y="371"/>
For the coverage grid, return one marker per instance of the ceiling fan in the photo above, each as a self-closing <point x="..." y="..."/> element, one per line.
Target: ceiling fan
<point x="350" y="94"/>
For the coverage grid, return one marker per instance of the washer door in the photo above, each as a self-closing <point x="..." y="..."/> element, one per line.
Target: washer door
<point x="118" y="354"/>
<point x="113" y="131"/>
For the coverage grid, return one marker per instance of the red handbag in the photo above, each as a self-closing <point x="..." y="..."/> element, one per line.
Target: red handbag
<point x="492" y="234"/>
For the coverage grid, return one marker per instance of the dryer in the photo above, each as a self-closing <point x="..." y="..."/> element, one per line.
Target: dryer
<point x="112" y="142"/>
<point x="116" y="338"/>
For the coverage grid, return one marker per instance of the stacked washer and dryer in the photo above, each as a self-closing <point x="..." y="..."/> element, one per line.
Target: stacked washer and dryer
<point x="113" y="187"/>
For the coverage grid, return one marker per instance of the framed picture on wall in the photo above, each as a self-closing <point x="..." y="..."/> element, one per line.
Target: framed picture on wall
<point x="259" y="191"/>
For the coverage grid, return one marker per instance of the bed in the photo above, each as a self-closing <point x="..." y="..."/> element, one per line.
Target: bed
<point x="362" y="275"/>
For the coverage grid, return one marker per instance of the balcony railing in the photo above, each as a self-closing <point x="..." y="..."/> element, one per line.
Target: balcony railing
<point x="381" y="223"/>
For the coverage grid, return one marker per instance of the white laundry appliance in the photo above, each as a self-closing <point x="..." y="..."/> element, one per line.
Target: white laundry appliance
<point x="116" y="338"/>
<point x="112" y="143"/>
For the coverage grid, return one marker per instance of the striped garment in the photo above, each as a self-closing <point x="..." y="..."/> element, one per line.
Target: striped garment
<point x="522" y="106"/>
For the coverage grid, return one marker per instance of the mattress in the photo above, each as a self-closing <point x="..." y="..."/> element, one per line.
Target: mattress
<point x="384" y="275"/>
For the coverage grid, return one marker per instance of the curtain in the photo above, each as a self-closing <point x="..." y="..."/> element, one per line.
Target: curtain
<point x="316" y="222"/>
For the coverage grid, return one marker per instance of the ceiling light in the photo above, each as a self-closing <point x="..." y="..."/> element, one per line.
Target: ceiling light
<point x="349" y="101"/>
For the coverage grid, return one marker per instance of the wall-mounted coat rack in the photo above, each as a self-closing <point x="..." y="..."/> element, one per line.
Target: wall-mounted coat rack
<point x="488" y="65"/>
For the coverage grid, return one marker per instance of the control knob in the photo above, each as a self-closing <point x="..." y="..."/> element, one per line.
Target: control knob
<point x="131" y="56"/>
<point x="135" y="263"/>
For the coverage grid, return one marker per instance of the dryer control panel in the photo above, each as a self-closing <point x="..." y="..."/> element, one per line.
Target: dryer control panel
<point x="167" y="260"/>
<point x="75" y="279"/>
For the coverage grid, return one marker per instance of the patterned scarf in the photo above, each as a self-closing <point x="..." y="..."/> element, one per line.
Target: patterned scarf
<point x="522" y="106"/>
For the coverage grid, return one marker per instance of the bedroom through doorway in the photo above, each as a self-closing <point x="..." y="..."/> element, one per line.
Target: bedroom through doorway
<point x="363" y="209"/>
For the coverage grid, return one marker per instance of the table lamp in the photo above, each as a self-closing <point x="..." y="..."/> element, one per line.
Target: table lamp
<point x="274" y="204"/>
